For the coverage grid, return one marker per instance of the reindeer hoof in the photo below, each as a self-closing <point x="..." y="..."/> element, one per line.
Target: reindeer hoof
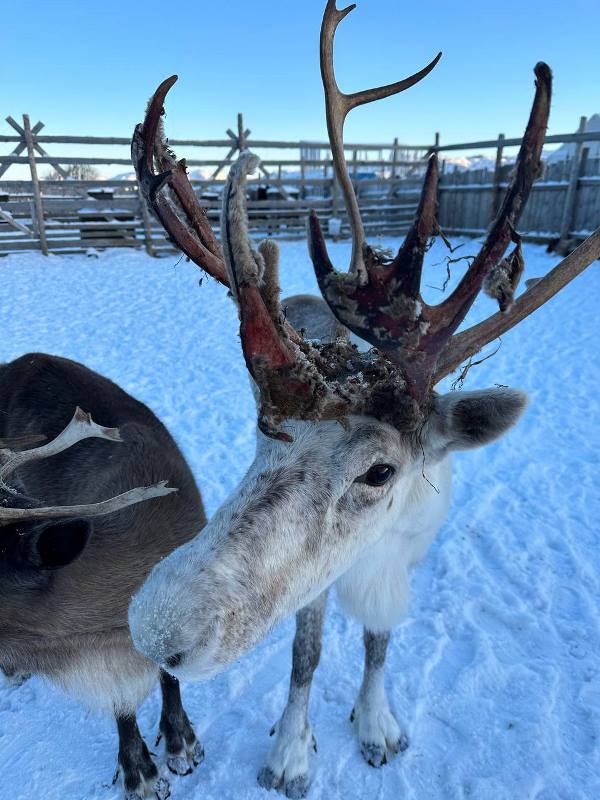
<point x="298" y="787"/>
<point x="184" y="763"/>
<point x="161" y="788"/>
<point x="295" y="789"/>
<point x="268" y="779"/>
<point x="400" y="745"/>
<point x="287" y="763"/>
<point x="373" y="754"/>
<point x="179" y="765"/>
<point x="378" y="732"/>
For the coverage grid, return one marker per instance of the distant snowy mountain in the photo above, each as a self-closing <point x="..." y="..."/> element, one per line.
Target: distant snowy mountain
<point x="124" y="176"/>
<point x="468" y="163"/>
<point x="568" y="150"/>
<point x="194" y="174"/>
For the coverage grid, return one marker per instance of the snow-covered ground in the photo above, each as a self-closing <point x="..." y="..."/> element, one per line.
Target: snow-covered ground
<point x="495" y="673"/>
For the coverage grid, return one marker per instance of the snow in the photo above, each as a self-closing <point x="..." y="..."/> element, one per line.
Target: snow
<point x="494" y="673"/>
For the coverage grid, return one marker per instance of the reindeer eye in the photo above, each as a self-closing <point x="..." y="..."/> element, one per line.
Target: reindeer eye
<point x="377" y="475"/>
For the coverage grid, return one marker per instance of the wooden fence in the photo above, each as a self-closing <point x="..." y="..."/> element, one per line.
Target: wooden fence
<point x="64" y="215"/>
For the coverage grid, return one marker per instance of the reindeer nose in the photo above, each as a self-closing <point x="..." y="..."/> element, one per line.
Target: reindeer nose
<point x="174" y="660"/>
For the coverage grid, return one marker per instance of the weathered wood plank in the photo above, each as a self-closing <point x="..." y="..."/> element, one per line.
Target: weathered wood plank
<point x="250" y="143"/>
<point x="37" y="195"/>
<point x="571" y="195"/>
<point x="557" y="138"/>
<point x="14" y="124"/>
<point x="22" y="144"/>
<point x="10" y="220"/>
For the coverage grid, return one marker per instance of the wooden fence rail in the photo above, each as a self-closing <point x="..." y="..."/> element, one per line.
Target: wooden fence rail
<point x="62" y="215"/>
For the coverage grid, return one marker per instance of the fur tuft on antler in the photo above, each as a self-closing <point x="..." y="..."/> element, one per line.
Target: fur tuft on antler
<point x="502" y="280"/>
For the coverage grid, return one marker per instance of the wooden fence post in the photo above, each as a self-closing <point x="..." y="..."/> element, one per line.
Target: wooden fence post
<point x="302" y="192"/>
<point x="36" y="128"/>
<point x="394" y="156"/>
<point x="22" y="144"/>
<point x="242" y="133"/>
<point x="37" y="195"/>
<point x="392" y="187"/>
<point x="335" y="212"/>
<point x="496" y="192"/>
<point x="571" y="195"/>
<point x="147" y="224"/>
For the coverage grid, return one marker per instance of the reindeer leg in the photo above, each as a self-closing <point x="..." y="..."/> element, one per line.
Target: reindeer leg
<point x="138" y="770"/>
<point x="378" y="731"/>
<point x="286" y="766"/>
<point x="184" y="751"/>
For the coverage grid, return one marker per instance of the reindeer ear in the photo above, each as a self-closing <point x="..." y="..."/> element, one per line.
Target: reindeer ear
<point x="60" y="543"/>
<point x="464" y="420"/>
<point x="49" y="545"/>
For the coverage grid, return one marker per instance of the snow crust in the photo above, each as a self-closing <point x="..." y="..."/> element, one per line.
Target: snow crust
<point x="494" y="674"/>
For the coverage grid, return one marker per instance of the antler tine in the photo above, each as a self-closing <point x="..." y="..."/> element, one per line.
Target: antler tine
<point x="186" y="223"/>
<point x="384" y="311"/>
<point x="81" y="427"/>
<point x="448" y="315"/>
<point x="337" y="106"/>
<point x="253" y="278"/>
<point x="389" y="312"/>
<point x="465" y="344"/>
<point x="109" y="506"/>
<point x="408" y="264"/>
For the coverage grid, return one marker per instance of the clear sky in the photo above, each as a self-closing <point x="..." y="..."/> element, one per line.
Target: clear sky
<point x="88" y="68"/>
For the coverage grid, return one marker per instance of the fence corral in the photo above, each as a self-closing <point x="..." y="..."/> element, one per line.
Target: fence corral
<point x="64" y="215"/>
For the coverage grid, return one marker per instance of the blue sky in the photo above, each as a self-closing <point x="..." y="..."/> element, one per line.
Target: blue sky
<point x="88" y="68"/>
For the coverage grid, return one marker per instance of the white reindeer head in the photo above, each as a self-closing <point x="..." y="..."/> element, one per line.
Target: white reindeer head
<point x="342" y="434"/>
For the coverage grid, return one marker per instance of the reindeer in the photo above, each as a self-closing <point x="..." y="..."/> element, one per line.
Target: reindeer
<point x="352" y="473"/>
<point x="67" y="572"/>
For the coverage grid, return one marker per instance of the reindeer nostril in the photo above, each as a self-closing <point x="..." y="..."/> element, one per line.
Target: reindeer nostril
<point x="174" y="660"/>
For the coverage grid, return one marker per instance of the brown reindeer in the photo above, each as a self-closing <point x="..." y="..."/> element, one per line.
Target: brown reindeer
<point x="76" y="541"/>
<point x="351" y="478"/>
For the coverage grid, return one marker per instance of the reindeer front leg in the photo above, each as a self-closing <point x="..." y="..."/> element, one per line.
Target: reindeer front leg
<point x="378" y="731"/>
<point x="286" y="766"/>
<point x="140" y="775"/>
<point x="184" y="751"/>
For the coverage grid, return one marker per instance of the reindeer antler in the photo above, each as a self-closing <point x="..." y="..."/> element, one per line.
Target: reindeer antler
<point x="79" y="428"/>
<point x="337" y="106"/>
<point x="465" y="344"/>
<point x="380" y="299"/>
<point x="180" y="213"/>
<point x="297" y="380"/>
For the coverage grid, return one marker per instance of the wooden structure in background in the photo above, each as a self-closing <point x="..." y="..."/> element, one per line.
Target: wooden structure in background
<point x="66" y="215"/>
